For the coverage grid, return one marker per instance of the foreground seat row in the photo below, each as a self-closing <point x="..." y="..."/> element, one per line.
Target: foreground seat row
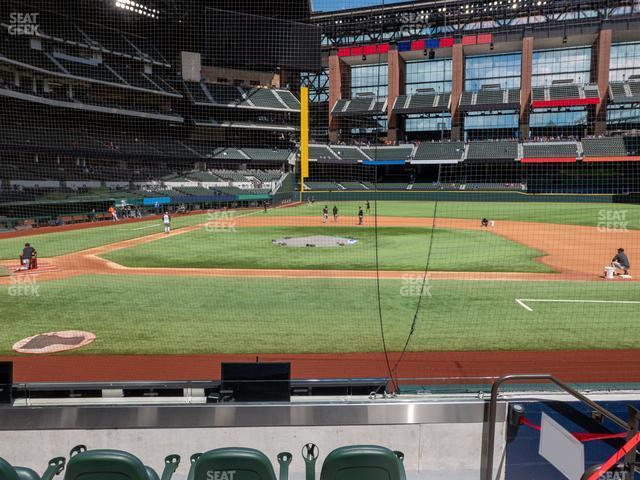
<point x="364" y="462"/>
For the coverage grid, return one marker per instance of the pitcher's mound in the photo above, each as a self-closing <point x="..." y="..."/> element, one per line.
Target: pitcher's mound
<point x="315" y="241"/>
<point x="54" y="342"/>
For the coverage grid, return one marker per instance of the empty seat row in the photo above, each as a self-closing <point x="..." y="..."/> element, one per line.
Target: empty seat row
<point x="492" y="151"/>
<point x="437" y="151"/>
<point x="235" y="96"/>
<point x="550" y="150"/>
<point x="366" y="462"/>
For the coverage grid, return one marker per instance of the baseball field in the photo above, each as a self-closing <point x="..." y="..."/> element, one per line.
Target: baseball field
<point x="219" y="285"/>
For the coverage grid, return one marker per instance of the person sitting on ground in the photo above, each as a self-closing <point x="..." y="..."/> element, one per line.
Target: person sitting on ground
<point x="621" y="262"/>
<point x="28" y="258"/>
<point x="484" y="222"/>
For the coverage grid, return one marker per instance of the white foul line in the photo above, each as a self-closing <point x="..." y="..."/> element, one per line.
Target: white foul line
<point x="521" y="302"/>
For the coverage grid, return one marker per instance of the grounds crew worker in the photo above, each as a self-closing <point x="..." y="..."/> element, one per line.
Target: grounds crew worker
<point x="621" y="262"/>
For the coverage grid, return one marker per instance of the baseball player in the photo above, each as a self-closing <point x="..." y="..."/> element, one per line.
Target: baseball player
<point x="166" y="220"/>
<point x="325" y="214"/>
<point x="114" y="213"/>
<point x="28" y="258"/>
<point x="335" y="214"/>
<point x="621" y="262"/>
<point x="360" y="215"/>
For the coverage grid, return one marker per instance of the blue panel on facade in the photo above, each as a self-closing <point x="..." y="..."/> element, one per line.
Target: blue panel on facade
<point x="433" y="43"/>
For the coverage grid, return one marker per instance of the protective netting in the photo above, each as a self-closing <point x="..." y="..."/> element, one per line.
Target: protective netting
<point x="475" y="169"/>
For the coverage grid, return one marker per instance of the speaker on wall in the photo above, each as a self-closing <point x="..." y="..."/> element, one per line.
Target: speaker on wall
<point x="257" y="382"/>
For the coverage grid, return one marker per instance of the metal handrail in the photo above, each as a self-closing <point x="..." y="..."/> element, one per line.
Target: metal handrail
<point x="488" y="470"/>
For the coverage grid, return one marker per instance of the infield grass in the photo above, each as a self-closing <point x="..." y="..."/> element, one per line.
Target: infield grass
<point x="398" y="249"/>
<point x="165" y="315"/>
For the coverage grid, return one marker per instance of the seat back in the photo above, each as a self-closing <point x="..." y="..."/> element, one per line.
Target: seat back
<point x="25" y="474"/>
<point x="105" y="465"/>
<point x="363" y="462"/>
<point x="7" y="472"/>
<point x="233" y="464"/>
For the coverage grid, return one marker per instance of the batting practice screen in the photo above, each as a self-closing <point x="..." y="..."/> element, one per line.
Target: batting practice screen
<point x="424" y="194"/>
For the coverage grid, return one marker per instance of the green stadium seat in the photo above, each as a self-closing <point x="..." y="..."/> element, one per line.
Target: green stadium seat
<point x="363" y="462"/>
<point x="245" y="463"/>
<point x="114" y="464"/>
<point x="8" y="472"/>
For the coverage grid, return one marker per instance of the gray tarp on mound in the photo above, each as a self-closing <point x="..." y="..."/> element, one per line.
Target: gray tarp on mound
<point x="314" y="241"/>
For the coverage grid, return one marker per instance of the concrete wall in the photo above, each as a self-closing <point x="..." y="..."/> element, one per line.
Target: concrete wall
<point x="433" y="448"/>
<point x="450" y="451"/>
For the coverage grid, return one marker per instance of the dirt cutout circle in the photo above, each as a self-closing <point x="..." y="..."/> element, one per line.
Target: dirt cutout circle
<point x="54" y="342"/>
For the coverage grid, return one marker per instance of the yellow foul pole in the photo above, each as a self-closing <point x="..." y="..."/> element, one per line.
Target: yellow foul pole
<point x="304" y="137"/>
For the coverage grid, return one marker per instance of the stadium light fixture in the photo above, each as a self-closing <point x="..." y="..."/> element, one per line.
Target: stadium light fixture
<point x="140" y="9"/>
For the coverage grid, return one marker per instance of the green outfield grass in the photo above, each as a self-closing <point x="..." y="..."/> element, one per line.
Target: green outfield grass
<point x="154" y="314"/>
<point x="587" y="214"/>
<point x="398" y="249"/>
<point x="60" y="243"/>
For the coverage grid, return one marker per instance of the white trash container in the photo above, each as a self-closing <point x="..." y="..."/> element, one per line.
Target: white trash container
<point x="609" y="273"/>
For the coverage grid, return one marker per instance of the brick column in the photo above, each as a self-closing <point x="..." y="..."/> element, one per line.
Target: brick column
<point x="457" y="87"/>
<point x="396" y="87"/>
<point x="601" y="57"/>
<point x="526" y="70"/>
<point x="339" y="87"/>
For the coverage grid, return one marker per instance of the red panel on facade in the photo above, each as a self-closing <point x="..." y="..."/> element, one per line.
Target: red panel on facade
<point x="549" y="160"/>
<point x="446" y="42"/>
<point x="383" y="48"/>
<point x="344" y="52"/>
<point x="469" y="40"/>
<point x="610" y="159"/>
<point x="355" y="51"/>
<point x="485" y="38"/>
<point x="369" y="49"/>
<point x="417" y="45"/>
<point x="571" y="102"/>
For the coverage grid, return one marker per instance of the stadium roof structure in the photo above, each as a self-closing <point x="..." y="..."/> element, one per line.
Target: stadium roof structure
<point x="291" y="10"/>
<point x="406" y="20"/>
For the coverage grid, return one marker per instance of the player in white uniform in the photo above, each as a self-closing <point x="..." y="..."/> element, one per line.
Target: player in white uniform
<point x="166" y="220"/>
